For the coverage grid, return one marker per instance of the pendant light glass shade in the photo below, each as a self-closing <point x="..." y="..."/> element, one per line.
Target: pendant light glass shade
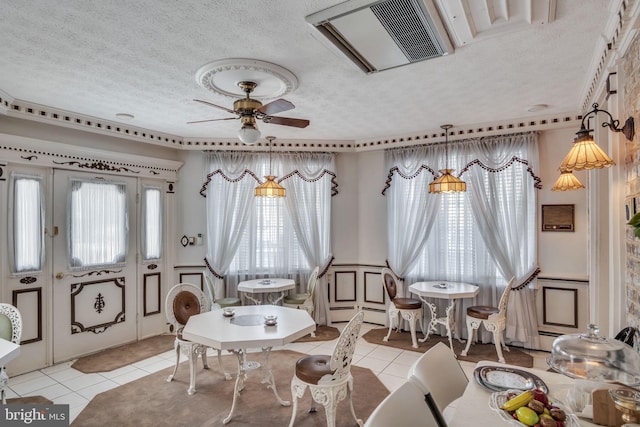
<point x="585" y="154"/>
<point x="567" y="181"/>
<point x="270" y="188"/>
<point x="447" y="183"/>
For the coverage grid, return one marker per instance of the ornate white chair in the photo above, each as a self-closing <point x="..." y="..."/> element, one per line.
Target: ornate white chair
<point x="211" y="295"/>
<point x="404" y="407"/>
<point x="328" y="377"/>
<point x="493" y="319"/>
<point x="438" y="372"/>
<point x="11" y="330"/>
<point x="183" y="301"/>
<point x="409" y="309"/>
<point x="304" y="301"/>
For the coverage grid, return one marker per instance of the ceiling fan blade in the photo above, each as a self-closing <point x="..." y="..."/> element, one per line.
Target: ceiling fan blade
<point x="217" y="106"/>
<point x="213" y="120"/>
<point x="275" y="107"/>
<point x="286" y="121"/>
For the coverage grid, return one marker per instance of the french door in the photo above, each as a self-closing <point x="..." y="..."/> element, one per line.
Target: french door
<point x="94" y="288"/>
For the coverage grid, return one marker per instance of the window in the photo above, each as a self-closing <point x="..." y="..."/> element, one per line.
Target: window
<point x="27" y="224"/>
<point x="151" y="223"/>
<point x="98" y="229"/>
<point x="269" y="242"/>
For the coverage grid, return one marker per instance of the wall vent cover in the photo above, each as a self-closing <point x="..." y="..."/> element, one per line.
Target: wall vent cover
<point x="384" y="34"/>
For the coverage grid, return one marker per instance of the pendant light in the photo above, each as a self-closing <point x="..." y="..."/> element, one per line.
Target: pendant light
<point x="567" y="181"/>
<point x="585" y="153"/>
<point x="447" y="183"/>
<point x="270" y="188"/>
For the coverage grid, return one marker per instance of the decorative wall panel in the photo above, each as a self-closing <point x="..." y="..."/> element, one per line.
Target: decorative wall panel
<point x="373" y="291"/>
<point x="29" y="303"/>
<point x="345" y="286"/>
<point x="151" y="294"/>
<point x="98" y="305"/>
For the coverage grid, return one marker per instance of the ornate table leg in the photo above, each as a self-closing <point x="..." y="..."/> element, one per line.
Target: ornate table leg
<point x="243" y="367"/>
<point x="451" y="322"/>
<point x="268" y="377"/>
<point x="277" y="300"/>
<point x="431" y="327"/>
<point x="252" y="299"/>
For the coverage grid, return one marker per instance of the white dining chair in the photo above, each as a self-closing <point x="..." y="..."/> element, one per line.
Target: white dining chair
<point x="183" y="301"/>
<point x="494" y="320"/>
<point x="11" y="330"/>
<point x="409" y="309"/>
<point x="304" y="301"/>
<point x="211" y="294"/>
<point x="406" y="406"/>
<point x="438" y="372"/>
<point x="328" y="377"/>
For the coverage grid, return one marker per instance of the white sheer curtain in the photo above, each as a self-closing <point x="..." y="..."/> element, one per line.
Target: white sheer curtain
<point x="229" y="192"/>
<point x="27" y="219"/>
<point x="410" y="209"/>
<point x="309" y="189"/>
<point x="251" y="237"/>
<point x="456" y="249"/>
<point x="503" y="200"/>
<point x="98" y="223"/>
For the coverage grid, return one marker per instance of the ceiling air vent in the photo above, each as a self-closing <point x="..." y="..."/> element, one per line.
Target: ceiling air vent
<point x="384" y="34"/>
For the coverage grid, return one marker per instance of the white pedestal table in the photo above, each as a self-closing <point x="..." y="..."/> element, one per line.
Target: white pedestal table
<point x="247" y="329"/>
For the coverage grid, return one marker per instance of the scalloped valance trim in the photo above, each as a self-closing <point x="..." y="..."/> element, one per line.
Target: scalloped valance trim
<point x="537" y="181"/>
<point x="334" y="182"/>
<point x="244" y="173"/>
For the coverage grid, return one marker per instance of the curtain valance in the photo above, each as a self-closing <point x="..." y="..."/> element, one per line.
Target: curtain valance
<point x="493" y="154"/>
<point x="234" y="166"/>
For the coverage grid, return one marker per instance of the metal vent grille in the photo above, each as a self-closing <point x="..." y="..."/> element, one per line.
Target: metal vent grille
<point x="410" y="27"/>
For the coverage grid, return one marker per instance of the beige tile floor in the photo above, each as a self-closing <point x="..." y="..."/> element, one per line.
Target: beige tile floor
<point x="65" y="385"/>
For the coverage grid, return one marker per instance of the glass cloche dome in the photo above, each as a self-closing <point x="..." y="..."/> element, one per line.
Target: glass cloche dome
<point x="595" y="358"/>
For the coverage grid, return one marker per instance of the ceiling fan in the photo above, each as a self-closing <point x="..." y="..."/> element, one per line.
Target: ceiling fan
<point x="249" y="110"/>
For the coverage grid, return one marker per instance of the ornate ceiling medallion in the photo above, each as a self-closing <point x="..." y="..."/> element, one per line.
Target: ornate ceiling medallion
<point x="222" y="77"/>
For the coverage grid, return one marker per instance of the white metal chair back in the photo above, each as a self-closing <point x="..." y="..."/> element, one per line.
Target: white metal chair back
<point x="311" y="284"/>
<point x="15" y="322"/>
<point x="403" y="407"/>
<point x="170" y="300"/>
<point x="343" y="350"/>
<point x="438" y="371"/>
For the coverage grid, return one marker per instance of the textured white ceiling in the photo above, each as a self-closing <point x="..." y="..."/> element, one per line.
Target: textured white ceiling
<point x="100" y="58"/>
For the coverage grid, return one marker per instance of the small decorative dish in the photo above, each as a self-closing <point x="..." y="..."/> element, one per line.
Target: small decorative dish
<point x="228" y="312"/>
<point x="499" y="398"/>
<point x="266" y="282"/>
<point x="441" y="286"/>
<point x="270" y="320"/>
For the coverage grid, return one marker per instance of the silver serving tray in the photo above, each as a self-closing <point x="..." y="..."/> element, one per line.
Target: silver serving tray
<point x="501" y="378"/>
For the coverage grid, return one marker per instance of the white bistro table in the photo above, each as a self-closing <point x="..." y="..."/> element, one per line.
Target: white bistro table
<point x="472" y="409"/>
<point x="249" y="288"/>
<point x="8" y="351"/>
<point x="452" y="291"/>
<point x="247" y="329"/>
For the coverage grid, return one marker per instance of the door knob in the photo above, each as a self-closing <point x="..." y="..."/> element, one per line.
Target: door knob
<point x="59" y="276"/>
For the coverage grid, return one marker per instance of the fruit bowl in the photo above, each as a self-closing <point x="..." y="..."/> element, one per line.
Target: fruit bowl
<point x="498" y="399"/>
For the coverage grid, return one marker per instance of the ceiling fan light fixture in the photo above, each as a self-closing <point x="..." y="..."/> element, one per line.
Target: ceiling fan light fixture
<point x="249" y="133"/>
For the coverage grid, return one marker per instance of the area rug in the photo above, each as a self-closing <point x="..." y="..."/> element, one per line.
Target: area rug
<point x="118" y="357"/>
<point x="151" y="401"/>
<point x="323" y="333"/>
<point x="477" y="352"/>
